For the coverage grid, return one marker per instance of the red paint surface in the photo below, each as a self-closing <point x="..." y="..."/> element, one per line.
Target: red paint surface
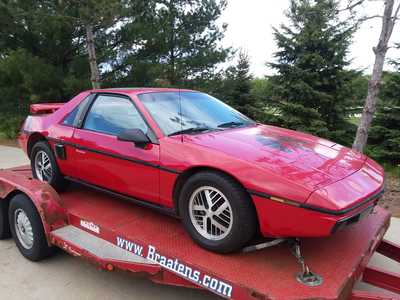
<point x="382" y="278"/>
<point x="44" y="197"/>
<point x="268" y="273"/>
<point x="45" y="108"/>
<point x="267" y="159"/>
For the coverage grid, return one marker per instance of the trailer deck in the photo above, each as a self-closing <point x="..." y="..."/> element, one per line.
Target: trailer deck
<point x="117" y="234"/>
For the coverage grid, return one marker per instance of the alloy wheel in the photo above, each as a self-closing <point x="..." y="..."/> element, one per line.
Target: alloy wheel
<point x="43" y="168"/>
<point x="210" y="213"/>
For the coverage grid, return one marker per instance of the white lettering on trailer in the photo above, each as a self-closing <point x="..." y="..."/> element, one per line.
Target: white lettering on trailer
<point x="90" y="226"/>
<point x="174" y="265"/>
<point x="130" y="246"/>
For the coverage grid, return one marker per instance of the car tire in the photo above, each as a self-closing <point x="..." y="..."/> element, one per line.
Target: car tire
<point x="5" y="232"/>
<point x="41" y="152"/>
<point x="231" y="210"/>
<point x="27" y="229"/>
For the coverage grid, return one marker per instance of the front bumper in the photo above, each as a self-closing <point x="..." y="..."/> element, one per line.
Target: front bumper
<point x="279" y="219"/>
<point x="341" y="224"/>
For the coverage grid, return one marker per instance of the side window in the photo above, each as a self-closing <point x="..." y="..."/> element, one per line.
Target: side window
<point x="112" y="115"/>
<point x="70" y="119"/>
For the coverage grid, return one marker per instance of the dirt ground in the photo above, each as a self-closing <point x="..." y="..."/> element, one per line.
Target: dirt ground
<point x="390" y="200"/>
<point x="10" y="143"/>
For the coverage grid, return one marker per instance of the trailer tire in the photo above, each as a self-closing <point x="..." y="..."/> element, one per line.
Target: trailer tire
<point x="56" y="180"/>
<point x="236" y="207"/>
<point x="27" y="229"/>
<point x="5" y="232"/>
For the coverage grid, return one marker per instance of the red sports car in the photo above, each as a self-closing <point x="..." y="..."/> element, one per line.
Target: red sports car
<point x="188" y="154"/>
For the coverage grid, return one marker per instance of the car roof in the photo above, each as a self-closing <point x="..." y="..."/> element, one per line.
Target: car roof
<point x="139" y="90"/>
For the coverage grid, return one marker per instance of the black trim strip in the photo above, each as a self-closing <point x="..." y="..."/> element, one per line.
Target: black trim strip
<point x="260" y="194"/>
<point x="140" y="202"/>
<point x="351" y="219"/>
<point x="321" y="209"/>
<point x="117" y="156"/>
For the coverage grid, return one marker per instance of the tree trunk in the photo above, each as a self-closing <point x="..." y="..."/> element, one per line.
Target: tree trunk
<point x="374" y="83"/>
<point x="94" y="70"/>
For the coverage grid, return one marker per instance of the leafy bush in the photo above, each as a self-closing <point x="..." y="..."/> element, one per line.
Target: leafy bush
<point x="10" y="126"/>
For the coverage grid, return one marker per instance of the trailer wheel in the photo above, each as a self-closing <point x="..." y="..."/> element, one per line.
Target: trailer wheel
<point x="5" y="232"/>
<point x="27" y="229"/>
<point x="217" y="212"/>
<point x="44" y="166"/>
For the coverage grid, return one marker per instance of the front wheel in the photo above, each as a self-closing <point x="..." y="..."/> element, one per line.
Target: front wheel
<point x="217" y="212"/>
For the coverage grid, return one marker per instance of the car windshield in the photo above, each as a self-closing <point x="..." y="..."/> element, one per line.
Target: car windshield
<point x="196" y="113"/>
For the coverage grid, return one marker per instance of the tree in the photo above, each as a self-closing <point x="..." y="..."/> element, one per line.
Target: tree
<point x="389" y="18"/>
<point x="237" y="87"/>
<point x="92" y="15"/>
<point x="41" y="59"/>
<point x="40" y="54"/>
<point x="174" y="41"/>
<point x="384" y="135"/>
<point x="311" y="87"/>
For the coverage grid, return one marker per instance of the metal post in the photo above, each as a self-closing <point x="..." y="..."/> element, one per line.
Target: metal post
<point x="305" y="277"/>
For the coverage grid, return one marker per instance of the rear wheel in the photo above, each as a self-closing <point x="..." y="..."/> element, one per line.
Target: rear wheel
<point x="217" y="212"/>
<point x="5" y="232"/>
<point x="44" y="166"/>
<point x="27" y="229"/>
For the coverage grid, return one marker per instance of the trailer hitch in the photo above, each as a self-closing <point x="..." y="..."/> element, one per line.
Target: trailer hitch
<point x="305" y="277"/>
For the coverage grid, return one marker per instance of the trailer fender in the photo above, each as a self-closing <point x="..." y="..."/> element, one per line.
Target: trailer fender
<point x="44" y="197"/>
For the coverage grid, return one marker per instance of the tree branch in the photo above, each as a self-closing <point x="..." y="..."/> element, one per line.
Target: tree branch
<point x="396" y="13"/>
<point x="351" y="5"/>
<point x="369" y="18"/>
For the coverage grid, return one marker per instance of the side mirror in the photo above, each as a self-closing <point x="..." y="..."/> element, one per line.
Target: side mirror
<point x="137" y="136"/>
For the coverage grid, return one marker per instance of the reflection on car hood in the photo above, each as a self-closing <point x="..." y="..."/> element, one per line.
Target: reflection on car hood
<point x="302" y="158"/>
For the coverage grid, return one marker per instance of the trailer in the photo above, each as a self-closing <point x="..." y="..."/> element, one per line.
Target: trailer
<point x="116" y="234"/>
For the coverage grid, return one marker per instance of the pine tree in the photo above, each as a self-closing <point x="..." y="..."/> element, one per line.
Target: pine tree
<point x="384" y="136"/>
<point x="311" y="85"/>
<point x="40" y="55"/>
<point x="94" y="17"/>
<point x="237" y="88"/>
<point x="173" y="41"/>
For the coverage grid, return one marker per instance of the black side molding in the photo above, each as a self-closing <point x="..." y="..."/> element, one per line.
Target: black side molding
<point x="144" y="203"/>
<point x="59" y="149"/>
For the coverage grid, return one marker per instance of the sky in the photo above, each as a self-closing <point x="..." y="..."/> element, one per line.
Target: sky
<point x="250" y="25"/>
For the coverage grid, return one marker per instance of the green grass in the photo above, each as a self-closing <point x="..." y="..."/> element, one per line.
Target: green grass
<point x="354" y="120"/>
<point x="392" y="170"/>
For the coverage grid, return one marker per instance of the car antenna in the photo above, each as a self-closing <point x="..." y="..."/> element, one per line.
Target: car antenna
<point x="180" y="112"/>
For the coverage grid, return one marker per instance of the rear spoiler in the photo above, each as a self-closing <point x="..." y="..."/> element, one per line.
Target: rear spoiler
<point x="44" y="108"/>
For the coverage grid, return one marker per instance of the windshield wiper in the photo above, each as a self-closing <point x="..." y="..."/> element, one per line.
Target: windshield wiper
<point x="230" y="124"/>
<point x="191" y="130"/>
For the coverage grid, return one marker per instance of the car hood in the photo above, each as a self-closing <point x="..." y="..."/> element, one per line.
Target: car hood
<point x="304" y="159"/>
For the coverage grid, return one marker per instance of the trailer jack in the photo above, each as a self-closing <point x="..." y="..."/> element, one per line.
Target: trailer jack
<point x="305" y="277"/>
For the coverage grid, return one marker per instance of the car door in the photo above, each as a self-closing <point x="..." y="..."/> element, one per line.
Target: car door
<point x="105" y="161"/>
